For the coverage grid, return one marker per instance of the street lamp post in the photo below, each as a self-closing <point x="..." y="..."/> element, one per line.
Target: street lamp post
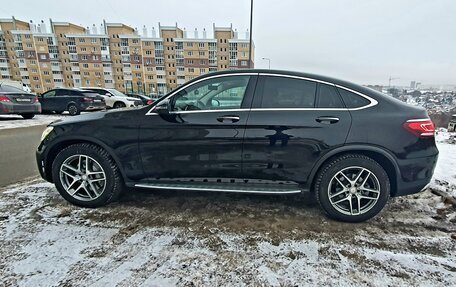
<point x="269" y="62"/>
<point x="250" y="40"/>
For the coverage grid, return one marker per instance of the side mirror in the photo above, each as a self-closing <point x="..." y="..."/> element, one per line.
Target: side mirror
<point x="164" y="107"/>
<point x="107" y="94"/>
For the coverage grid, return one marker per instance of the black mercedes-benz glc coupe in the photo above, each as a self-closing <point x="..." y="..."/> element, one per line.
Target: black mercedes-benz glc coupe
<point x="249" y="131"/>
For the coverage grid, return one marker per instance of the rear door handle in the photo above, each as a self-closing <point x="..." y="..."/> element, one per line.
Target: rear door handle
<point x="327" y="120"/>
<point x="233" y="119"/>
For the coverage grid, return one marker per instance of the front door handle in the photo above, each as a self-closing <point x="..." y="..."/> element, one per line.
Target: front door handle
<point x="327" y="120"/>
<point x="232" y="119"/>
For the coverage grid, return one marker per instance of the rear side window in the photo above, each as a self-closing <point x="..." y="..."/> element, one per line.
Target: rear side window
<point x="328" y="97"/>
<point x="352" y="100"/>
<point x="62" y="93"/>
<point x="281" y="92"/>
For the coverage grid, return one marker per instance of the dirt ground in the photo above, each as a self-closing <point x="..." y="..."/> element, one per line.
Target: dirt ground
<point x="160" y="238"/>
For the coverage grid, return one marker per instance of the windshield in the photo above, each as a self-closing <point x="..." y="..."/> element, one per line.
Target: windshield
<point x="117" y="93"/>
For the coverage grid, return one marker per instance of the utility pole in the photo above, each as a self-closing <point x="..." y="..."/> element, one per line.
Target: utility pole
<point x="250" y="40"/>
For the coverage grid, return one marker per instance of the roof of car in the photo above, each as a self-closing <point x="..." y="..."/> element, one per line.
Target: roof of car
<point x="343" y="83"/>
<point x="290" y="73"/>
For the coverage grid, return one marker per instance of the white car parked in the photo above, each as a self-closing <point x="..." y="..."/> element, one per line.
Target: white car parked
<point x="114" y="98"/>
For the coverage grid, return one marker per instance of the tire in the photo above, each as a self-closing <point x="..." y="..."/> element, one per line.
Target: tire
<point x="108" y="190"/>
<point x="119" y="105"/>
<point x="28" y="116"/>
<point x="350" y="201"/>
<point x="73" y="110"/>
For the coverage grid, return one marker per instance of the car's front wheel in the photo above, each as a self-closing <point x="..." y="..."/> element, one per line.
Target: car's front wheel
<point x="352" y="188"/>
<point x="119" y="105"/>
<point x="86" y="175"/>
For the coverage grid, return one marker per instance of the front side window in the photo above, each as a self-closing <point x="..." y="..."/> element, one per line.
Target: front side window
<point x="282" y="92"/>
<point x="214" y="94"/>
<point x="49" y="94"/>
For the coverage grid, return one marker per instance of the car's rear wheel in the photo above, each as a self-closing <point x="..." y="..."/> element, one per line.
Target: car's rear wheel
<point x="352" y="188"/>
<point x="28" y="116"/>
<point x="73" y="110"/>
<point x="118" y="105"/>
<point x="86" y="175"/>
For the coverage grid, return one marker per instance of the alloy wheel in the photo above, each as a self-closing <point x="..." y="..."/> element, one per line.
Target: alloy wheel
<point x="82" y="177"/>
<point x="354" y="190"/>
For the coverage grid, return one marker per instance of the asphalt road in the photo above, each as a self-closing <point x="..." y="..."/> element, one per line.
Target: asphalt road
<point x="17" y="149"/>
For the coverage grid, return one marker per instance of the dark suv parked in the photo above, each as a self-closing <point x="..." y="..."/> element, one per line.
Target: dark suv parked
<point x="72" y="100"/>
<point x="253" y="131"/>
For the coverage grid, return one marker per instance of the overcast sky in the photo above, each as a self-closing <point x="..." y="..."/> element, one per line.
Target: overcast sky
<point x="365" y="41"/>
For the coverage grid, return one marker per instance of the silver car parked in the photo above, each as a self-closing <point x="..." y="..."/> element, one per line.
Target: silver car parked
<point x="16" y="101"/>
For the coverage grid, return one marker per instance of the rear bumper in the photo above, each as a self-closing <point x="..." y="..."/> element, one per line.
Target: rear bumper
<point x="12" y="108"/>
<point x="415" y="174"/>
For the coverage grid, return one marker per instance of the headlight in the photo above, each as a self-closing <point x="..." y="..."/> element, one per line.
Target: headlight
<point x="46" y="132"/>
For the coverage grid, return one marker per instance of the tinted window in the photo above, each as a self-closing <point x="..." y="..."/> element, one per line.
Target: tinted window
<point x="213" y="94"/>
<point x="352" y="100"/>
<point x="328" y="97"/>
<point x="9" y="89"/>
<point x="62" y="93"/>
<point x="281" y="92"/>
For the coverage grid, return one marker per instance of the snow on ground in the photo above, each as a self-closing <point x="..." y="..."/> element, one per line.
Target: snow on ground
<point x="445" y="172"/>
<point x="206" y="239"/>
<point x="16" y="121"/>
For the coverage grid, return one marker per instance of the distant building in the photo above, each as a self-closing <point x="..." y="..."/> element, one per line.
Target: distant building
<point x="376" y="87"/>
<point x="115" y="55"/>
<point x="412" y="85"/>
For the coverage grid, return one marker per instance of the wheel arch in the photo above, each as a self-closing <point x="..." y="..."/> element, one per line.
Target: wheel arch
<point x="54" y="150"/>
<point x="383" y="157"/>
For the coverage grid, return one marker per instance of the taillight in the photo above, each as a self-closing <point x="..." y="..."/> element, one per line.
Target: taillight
<point x="36" y="100"/>
<point x="4" y="99"/>
<point x="423" y="128"/>
<point x="88" y="100"/>
<point x="150" y="102"/>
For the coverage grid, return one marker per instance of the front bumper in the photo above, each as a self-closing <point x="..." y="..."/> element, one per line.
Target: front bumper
<point x="415" y="174"/>
<point x="13" y="108"/>
<point x="41" y="156"/>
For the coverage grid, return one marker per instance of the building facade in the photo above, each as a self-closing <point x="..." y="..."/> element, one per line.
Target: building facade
<point x="115" y="55"/>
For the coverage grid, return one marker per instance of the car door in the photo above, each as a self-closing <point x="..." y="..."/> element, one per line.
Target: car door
<point x="47" y="101"/>
<point x="293" y="122"/>
<point x="201" y="134"/>
<point x="62" y="99"/>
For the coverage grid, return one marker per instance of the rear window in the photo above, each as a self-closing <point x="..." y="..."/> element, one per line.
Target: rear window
<point x="281" y="92"/>
<point x="352" y="100"/>
<point x="9" y="89"/>
<point x="328" y="97"/>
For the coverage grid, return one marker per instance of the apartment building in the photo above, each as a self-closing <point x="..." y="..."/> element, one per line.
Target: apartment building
<point x="114" y="55"/>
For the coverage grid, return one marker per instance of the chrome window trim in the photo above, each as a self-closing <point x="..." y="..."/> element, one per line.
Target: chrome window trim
<point x="372" y="101"/>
